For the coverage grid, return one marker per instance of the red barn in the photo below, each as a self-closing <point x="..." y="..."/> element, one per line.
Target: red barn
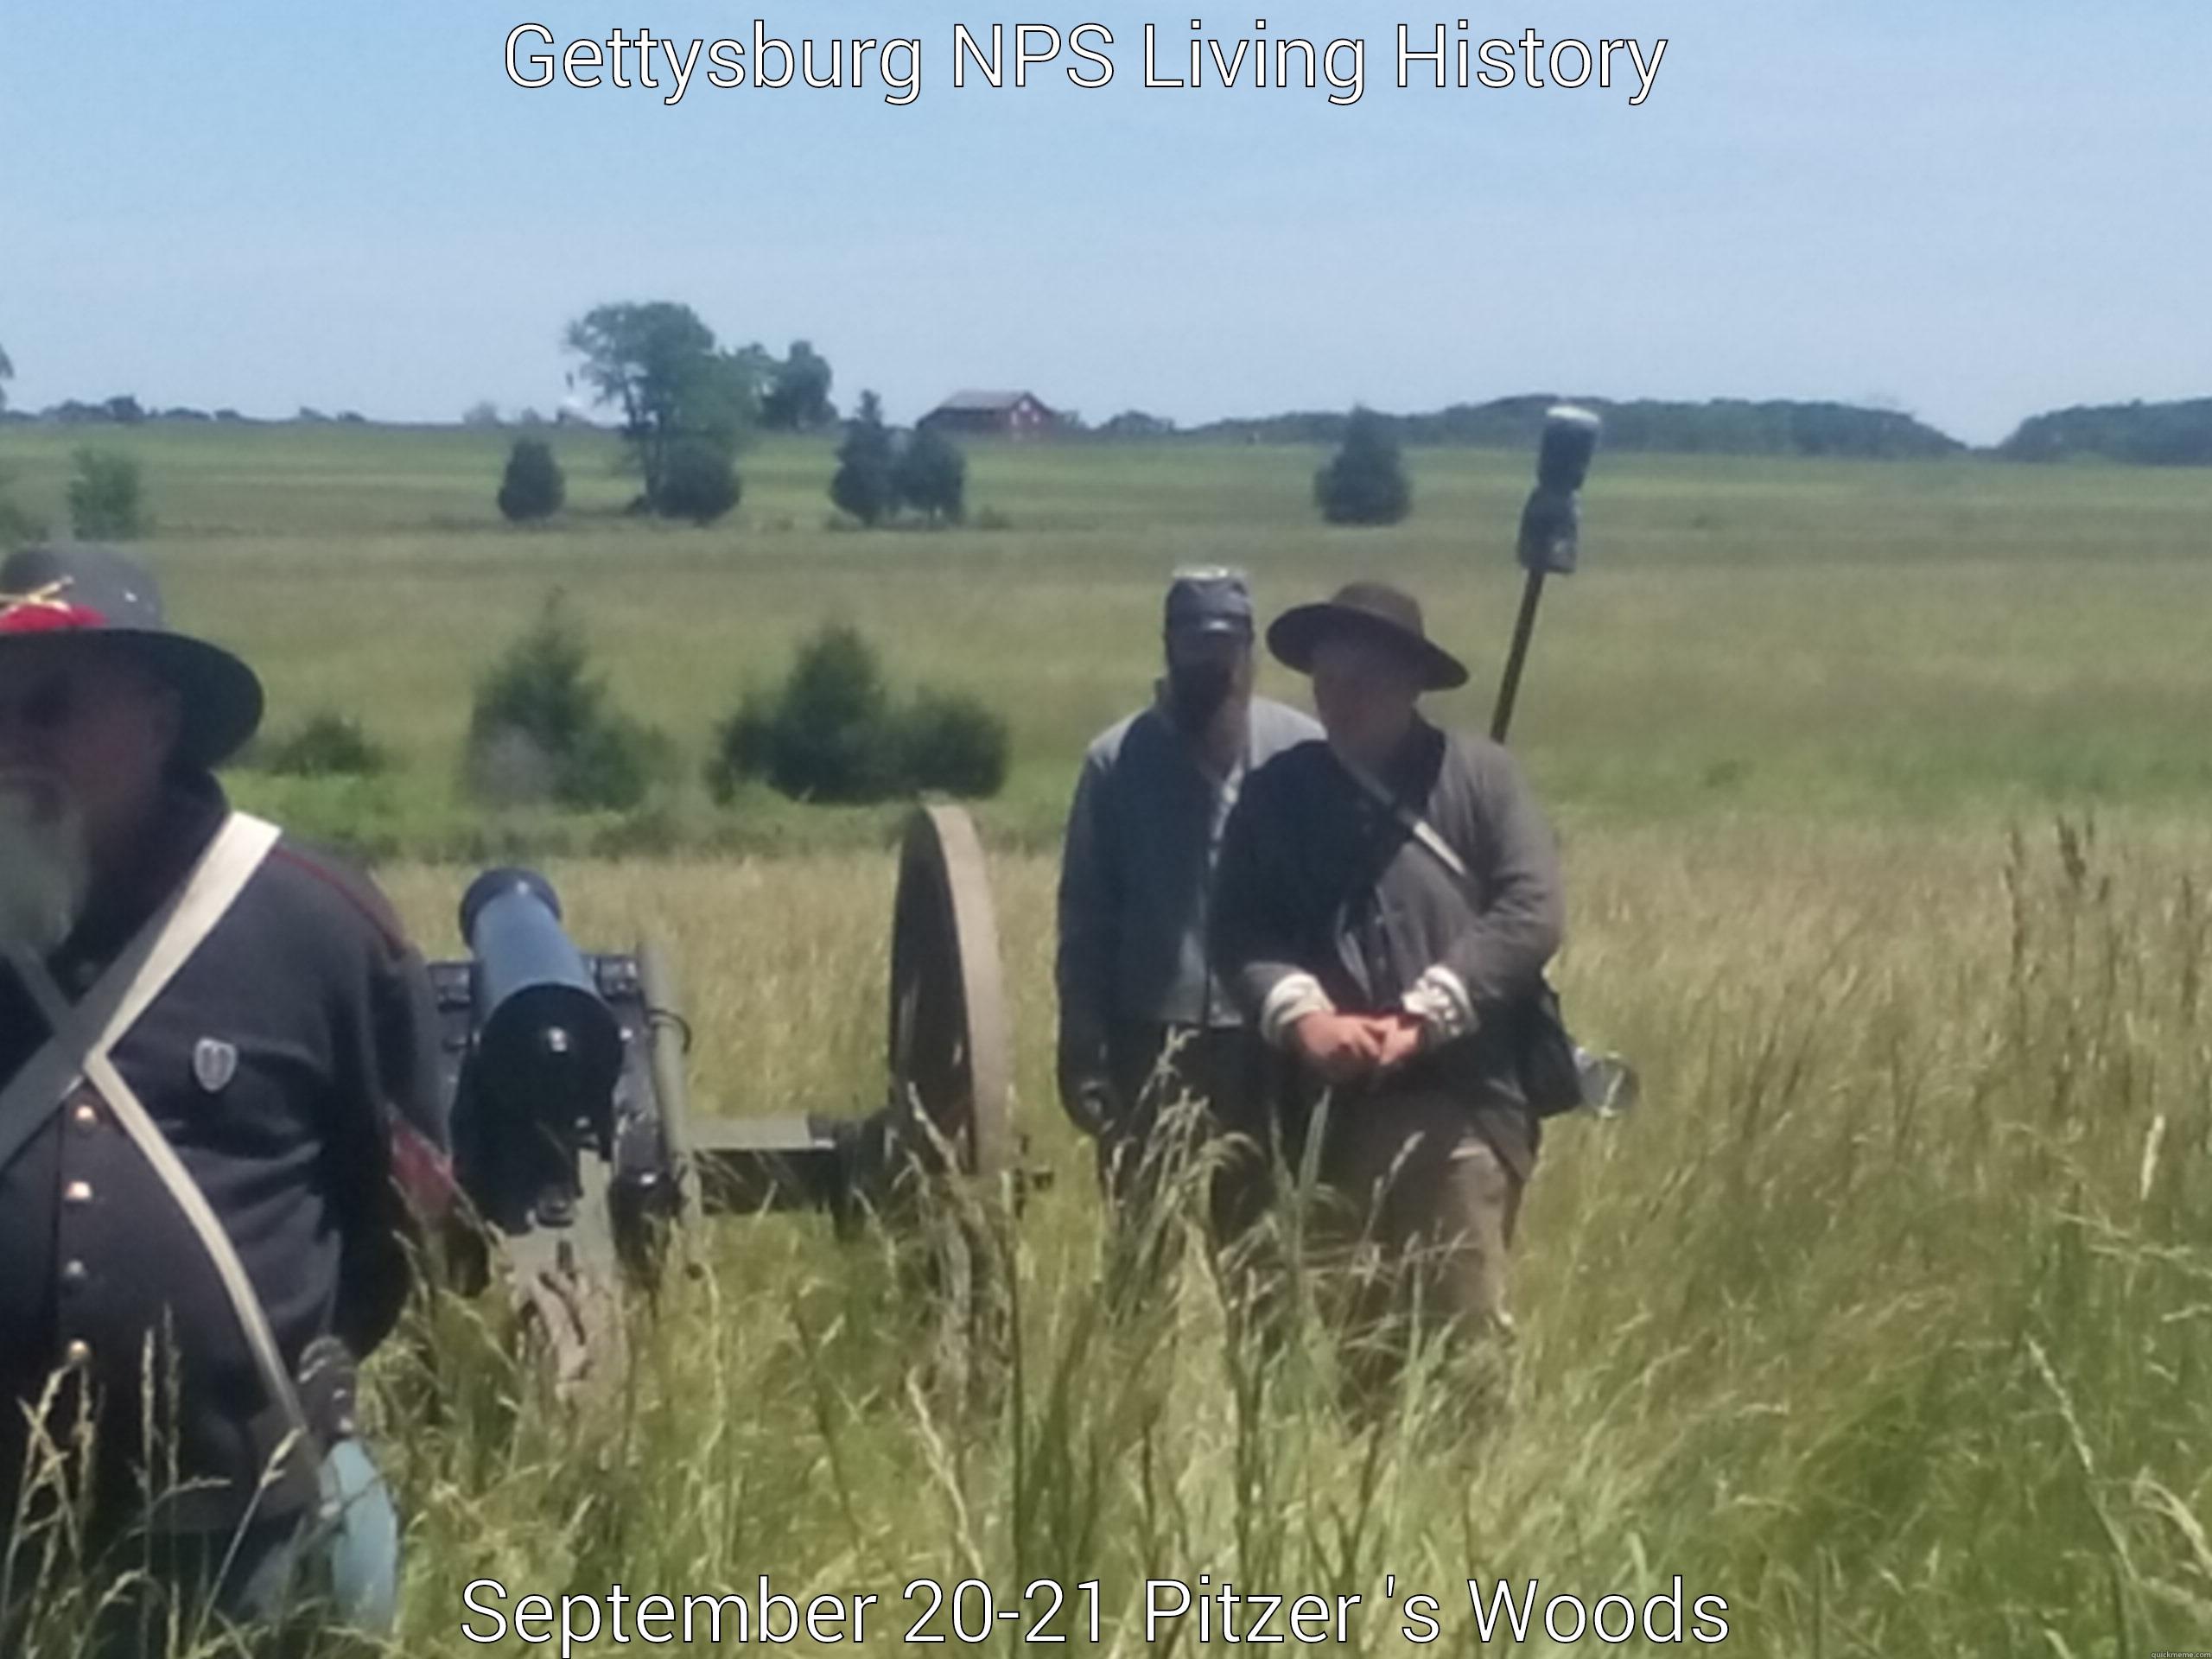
<point x="992" y="414"/>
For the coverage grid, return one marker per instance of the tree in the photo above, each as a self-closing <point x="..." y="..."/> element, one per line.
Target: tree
<point x="17" y="527"/>
<point x="832" y="732"/>
<point x="2159" y="435"/>
<point x="797" y="398"/>
<point x="533" y="487"/>
<point x="932" y="476"/>
<point x="1365" y="483"/>
<point x="864" y="485"/>
<point x="328" y="745"/>
<point x="544" y="727"/>
<point x="660" y="364"/>
<point x="699" y="482"/>
<point x="1135" y="424"/>
<point x="107" y="497"/>
<point x="7" y="373"/>
<point x="948" y="740"/>
<point x="822" y="738"/>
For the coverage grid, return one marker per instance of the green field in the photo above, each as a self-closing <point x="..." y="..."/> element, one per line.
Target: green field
<point x="1751" y="636"/>
<point x="1888" y="811"/>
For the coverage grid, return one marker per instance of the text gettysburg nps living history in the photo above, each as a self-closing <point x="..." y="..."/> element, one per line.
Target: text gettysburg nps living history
<point x="1456" y="54"/>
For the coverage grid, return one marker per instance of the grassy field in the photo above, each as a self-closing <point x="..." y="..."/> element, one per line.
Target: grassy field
<point x="1887" y="1319"/>
<point x="1828" y="638"/>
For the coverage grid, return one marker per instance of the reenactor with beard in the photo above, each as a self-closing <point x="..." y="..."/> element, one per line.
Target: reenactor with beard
<point x="1150" y="1040"/>
<point x="1386" y="905"/>
<point x="219" y="1119"/>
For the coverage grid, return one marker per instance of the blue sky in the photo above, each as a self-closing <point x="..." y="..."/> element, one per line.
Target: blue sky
<point x="1972" y="210"/>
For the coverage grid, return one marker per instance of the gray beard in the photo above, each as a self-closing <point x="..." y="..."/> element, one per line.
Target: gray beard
<point x="45" y="871"/>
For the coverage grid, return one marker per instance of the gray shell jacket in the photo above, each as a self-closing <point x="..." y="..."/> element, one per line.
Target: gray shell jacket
<point x="1319" y="884"/>
<point x="1137" y="876"/>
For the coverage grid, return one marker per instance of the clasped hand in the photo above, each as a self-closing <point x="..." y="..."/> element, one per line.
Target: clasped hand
<point x="1347" y="1047"/>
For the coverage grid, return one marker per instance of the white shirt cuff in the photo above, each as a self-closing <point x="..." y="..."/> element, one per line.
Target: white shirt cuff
<point x="1440" y="1000"/>
<point x="1294" y="996"/>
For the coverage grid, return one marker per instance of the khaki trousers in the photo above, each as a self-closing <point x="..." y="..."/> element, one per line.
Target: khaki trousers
<point x="1414" y="1219"/>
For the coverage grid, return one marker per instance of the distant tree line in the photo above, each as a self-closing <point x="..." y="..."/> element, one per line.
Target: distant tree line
<point x="686" y="404"/>
<point x="2151" y="435"/>
<point x="1135" y="424"/>
<point x="1723" y="426"/>
<point x="126" y="410"/>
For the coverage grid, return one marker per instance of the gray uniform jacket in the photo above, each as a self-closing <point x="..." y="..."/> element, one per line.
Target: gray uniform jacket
<point x="1324" y="892"/>
<point x="1137" y="875"/>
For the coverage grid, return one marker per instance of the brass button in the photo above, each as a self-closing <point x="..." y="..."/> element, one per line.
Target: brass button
<point x="77" y="1192"/>
<point x="79" y="1353"/>
<point x="85" y="1115"/>
<point x="73" y="1274"/>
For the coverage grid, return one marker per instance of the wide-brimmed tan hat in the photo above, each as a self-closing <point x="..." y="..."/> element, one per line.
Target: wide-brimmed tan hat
<point x="1375" y="610"/>
<point x="83" y="591"/>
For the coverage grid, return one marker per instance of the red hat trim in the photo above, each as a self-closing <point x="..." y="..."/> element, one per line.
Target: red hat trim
<point x="46" y="611"/>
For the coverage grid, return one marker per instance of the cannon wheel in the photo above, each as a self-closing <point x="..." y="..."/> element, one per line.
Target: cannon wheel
<point x="951" y="1064"/>
<point x="952" y="1105"/>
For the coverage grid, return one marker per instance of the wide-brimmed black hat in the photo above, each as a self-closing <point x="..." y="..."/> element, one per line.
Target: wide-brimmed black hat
<point x="96" y="593"/>
<point x="1376" y="610"/>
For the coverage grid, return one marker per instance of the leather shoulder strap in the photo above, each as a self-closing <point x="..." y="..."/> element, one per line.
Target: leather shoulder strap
<point x="131" y="983"/>
<point x="154" y="1146"/>
<point x="1430" y="837"/>
<point x="85" y="1035"/>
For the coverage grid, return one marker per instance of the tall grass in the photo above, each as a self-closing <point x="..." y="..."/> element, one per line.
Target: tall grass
<point x="1888" y="1318"/>
<point x="1888" y="1321"/>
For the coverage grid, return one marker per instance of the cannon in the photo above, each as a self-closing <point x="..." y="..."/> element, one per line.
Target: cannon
<point x="565" y="1075"/>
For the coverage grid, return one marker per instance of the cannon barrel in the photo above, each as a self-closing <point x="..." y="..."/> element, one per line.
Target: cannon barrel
<point x="539" y="1085"/>
<point x="547" y="1043"/>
